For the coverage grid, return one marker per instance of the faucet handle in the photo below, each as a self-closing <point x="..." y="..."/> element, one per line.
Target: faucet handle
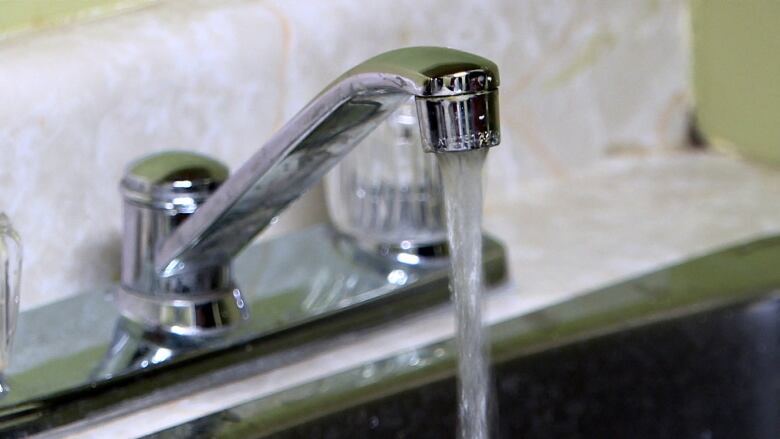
<point x="386" y="194"/>
<point x="10" y="274"/>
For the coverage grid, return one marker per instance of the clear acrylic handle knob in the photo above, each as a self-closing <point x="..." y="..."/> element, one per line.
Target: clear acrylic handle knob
<point x="10" y="274"/>
<point x="387" y="190"/>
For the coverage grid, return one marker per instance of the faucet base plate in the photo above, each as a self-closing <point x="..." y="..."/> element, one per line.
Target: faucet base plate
<point x="302" y="291"/>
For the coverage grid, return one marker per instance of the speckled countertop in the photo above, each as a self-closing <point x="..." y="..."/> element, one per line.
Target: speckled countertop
<point x="627" y="216"/>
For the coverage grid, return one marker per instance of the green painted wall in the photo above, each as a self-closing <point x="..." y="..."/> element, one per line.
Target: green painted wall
<point x="736" y="49"/>
<point x="23" y="15"/>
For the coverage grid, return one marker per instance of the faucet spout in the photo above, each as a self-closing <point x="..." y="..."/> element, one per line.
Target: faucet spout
<point x="457" y="102"/>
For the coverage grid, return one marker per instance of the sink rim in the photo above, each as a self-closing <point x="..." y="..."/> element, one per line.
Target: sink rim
<point x="727" y="277"/>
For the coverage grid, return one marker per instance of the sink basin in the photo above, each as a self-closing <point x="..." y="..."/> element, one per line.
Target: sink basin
<point x="690" y="351"/>
<point x="708" y="375"/>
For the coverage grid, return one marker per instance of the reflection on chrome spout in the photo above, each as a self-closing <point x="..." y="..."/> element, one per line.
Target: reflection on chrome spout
<point x="457" y="103"/>
<point x="185" y="224"/>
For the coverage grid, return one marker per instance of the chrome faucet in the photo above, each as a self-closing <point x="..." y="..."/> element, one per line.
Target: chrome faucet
<point x="185" y="219"/>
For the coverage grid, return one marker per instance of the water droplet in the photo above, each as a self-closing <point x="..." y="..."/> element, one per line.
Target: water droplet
<point x="369" y="371"/>
<point x="397" y="277"/>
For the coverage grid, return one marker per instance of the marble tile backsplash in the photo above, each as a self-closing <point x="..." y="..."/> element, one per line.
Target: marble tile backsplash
<point x="580" y="81"/>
